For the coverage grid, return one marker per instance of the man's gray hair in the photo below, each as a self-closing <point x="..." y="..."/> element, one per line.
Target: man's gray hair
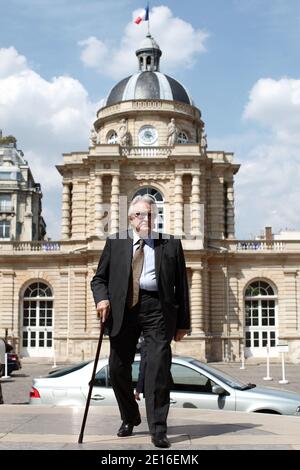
<point x="145" y="198"/>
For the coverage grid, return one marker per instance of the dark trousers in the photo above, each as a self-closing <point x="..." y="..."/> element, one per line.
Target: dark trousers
<point x="146" y="318"/>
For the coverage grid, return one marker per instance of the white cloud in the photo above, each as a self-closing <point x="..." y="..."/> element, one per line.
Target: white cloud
<point x="11" y="62"/>
<point x="179" y="41"/>
<point x="48" y="117"/>
<point x="267" y="186"/>
<point x="267" y="190"/>
<point x="275" y="104"/>
<point x="94" y="52"/>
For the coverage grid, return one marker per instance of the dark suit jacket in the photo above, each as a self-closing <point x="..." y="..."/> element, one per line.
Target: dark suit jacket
<point x="112" y="278"/>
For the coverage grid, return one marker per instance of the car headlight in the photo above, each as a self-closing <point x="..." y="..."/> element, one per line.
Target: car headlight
<point x="298" y="409"/>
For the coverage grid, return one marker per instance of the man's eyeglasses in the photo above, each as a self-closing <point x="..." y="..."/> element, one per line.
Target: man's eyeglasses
<point x="143" y="215"/>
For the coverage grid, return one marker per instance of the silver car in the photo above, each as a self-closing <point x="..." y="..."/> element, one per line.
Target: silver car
<point x="196" y="385"/>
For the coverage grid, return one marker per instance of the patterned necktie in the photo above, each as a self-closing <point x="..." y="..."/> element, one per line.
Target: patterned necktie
<point x="137" y="267"/>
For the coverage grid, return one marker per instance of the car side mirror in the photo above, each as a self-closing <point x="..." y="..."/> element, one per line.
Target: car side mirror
<point x="218" y="390"/>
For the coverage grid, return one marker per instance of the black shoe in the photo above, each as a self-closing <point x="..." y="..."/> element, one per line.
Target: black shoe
<point x="127" y="428"/>
<point x="160" y="439"/>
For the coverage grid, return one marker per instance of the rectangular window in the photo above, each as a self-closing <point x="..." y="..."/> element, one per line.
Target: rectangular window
<point x="5" y="202"/>
<point x="33" y="339"/>
<point x="272" y="339"/>
<point x="5" y="175"/>
<point x="264" y="339"/>
<point x="5" y="229"/>
<point x="41" y="339"/>
<point x="248" y="339"/>
<point x="25" y="339"/>
<point x="49" y="339"/>
<point x="10" y="175"/>
<point x="248" y="313"/>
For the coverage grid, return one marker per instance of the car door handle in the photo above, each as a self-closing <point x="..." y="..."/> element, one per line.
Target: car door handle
<point x="98" y="397"/>
<point x="172" y="401"/>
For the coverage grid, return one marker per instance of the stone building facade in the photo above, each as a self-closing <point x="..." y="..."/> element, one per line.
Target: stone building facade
<point x="20" y="196"/>
<point x="149" y="137"/>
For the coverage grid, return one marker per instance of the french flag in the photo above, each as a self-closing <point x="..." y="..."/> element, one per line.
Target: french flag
<point x="144" y="16"/>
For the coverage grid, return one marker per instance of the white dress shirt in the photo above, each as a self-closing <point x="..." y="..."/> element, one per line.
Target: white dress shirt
<point x="148" y="276"/>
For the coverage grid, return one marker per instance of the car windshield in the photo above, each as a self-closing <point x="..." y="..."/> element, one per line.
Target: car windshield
<point x="67" y="370"/>
<point x="231" y="381"/>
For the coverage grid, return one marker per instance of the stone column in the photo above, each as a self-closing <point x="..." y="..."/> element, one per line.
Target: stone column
<point x="289" y="303"/>
<point x="196" y="207"/>
<point x="230" y="209"/>
<point x="79" y="210"/>
<point x="8" y="305"/>
<point x="114" y="202"/>
<point x="98" y="205"/>
<point x="65" y="221"/>
<point x="197" y="313"/>
<point x="28" y="218"/>
<point x="178" y="206"/>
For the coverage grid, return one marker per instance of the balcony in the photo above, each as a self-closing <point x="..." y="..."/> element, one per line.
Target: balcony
<point x="256" y="246"/>
<point x="137" y="152"/>
<point x="260" y="245"/>
<point x="44" y="248"/>
<point x="30" y="246"/>
<point x="37" y="246"/>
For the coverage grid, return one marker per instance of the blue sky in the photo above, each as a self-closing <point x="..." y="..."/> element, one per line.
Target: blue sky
<point x="238" y="58"/>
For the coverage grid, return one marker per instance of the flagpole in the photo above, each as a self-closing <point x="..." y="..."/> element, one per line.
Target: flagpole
<point x="148" y="20"/>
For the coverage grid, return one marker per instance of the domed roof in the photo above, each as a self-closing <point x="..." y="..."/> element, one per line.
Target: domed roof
<point x="149" y="83"/>
<point x="148" y="43"/>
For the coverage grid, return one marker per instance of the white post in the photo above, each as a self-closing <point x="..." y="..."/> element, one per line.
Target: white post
<point x="243" y="357"/>
<point x="268" y="364"/>
<point x="6" y="376"/>
<point x="283" y="380"/>
<point x="54" y="356"/>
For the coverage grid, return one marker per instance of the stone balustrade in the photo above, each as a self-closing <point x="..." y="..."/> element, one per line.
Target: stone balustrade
<point x="38" y="246"/>
<point x="161" y="152"/>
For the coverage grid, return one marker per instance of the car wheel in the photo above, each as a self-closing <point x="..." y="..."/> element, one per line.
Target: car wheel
<point x="270" y="412"/>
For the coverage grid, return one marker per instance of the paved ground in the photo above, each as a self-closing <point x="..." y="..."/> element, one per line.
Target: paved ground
<point x="33" y="427"/>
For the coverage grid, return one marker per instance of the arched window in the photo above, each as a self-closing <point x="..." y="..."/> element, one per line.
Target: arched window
<point x="37" y="325"/>
<point x="182" y="138"/>
<point x="159" y="222"/>
<point x="260" y="319"/>
<point x="112" y="137"/>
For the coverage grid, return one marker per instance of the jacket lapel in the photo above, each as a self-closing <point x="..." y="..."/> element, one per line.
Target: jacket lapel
<point x="158" y="249"/>
<point x="127" y="253"/>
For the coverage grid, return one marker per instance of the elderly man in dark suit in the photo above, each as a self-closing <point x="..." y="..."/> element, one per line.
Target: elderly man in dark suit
<point x="141" y="287"/>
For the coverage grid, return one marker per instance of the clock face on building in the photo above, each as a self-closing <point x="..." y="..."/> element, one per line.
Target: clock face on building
<point x="147" y="135"/>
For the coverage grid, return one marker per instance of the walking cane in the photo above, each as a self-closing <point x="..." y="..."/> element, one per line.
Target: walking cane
<point x="91" y="384"/>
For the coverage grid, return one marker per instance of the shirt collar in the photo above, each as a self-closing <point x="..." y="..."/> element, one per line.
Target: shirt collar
<point x="148" y="241"/>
